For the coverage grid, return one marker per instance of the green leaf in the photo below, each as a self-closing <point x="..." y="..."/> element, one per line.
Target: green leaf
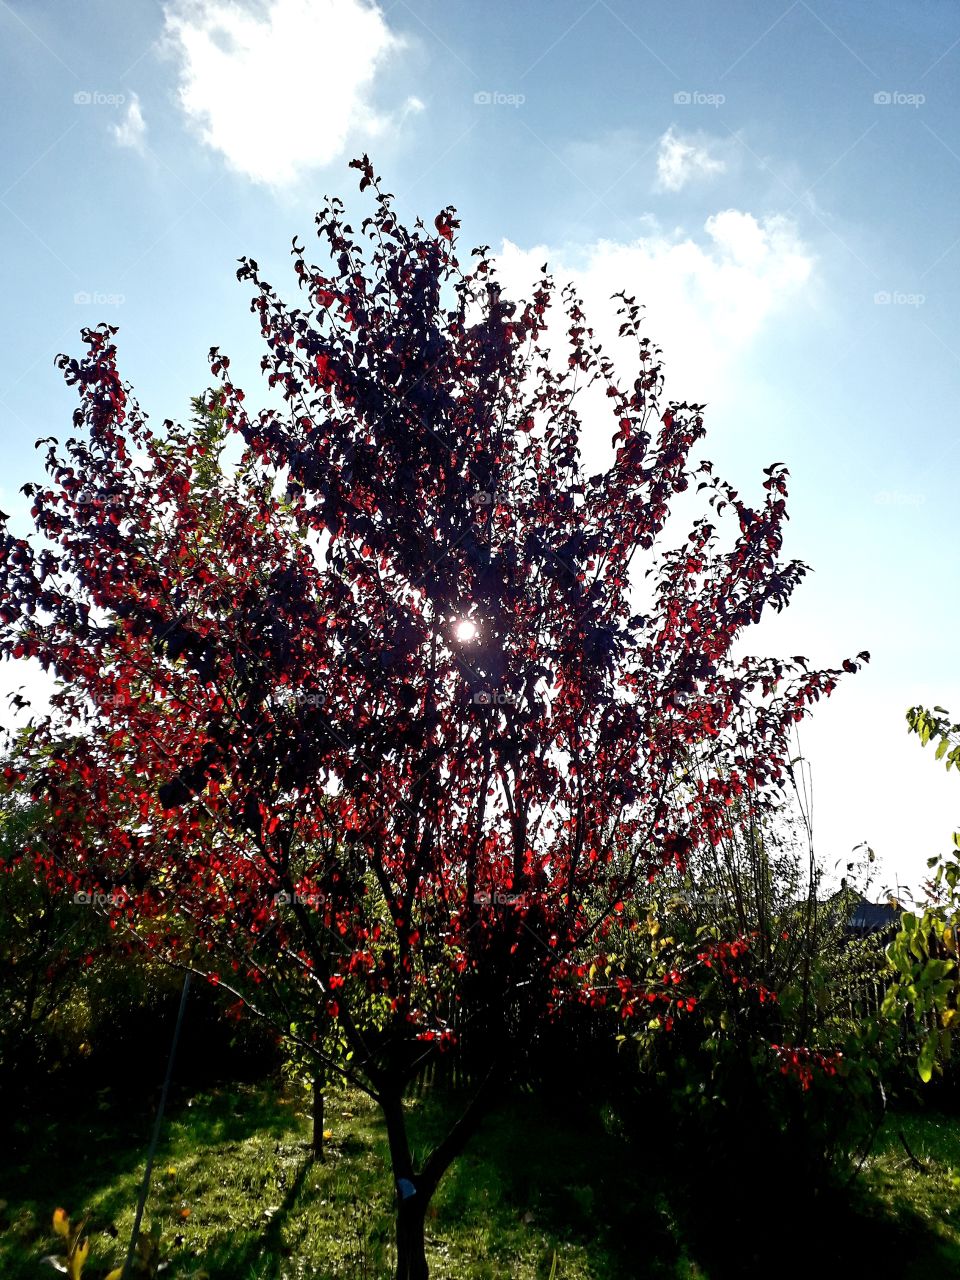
<point x="927" y="1055"/>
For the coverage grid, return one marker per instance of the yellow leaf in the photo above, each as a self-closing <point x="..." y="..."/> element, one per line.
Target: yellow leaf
<point x="116" y="1274"/>
<point x="327" y="1133"/>
<point x="78" y="1258"/>
<point x="61" y="1223"/>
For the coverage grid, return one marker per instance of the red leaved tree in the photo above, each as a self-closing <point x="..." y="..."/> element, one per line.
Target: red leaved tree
<point x="366" y="723"/>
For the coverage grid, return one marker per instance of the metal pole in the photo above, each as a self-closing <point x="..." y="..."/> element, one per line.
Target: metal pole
<point x="145" y="1188"/>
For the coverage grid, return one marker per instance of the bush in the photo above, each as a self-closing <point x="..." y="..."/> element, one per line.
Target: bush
<point x="83" y="1006"/>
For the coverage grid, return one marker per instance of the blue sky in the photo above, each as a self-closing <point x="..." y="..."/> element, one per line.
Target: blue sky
<point x="778" y="185"/>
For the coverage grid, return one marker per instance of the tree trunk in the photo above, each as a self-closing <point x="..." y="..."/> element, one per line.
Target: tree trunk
<point x="319" y="1080"/>
<point x="415" y="1188"/>
<point x="411" y="1254"/>
<point x="412" y="1198"/>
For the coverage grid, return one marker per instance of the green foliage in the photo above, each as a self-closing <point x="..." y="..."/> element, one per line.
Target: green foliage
<point x="923" y="959"/>
<point x="753" y="1023"/>
<point x="935" y="725"/>
<point x="51" y="954"/>
<point x="925" y="990"/>
<point x="211" y="431"/>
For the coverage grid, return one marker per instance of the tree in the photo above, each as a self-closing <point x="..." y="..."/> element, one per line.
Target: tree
<point x="373" y="718"/>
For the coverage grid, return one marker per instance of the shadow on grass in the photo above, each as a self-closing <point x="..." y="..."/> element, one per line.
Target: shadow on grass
<point x="755" y="1213"/>
<point x="260" y="1254"/>
<point x="89" y="1154"/>
<point x="834" y="1233"/>
<point x="564" y="1179"/>
<point x="236" y="1193"/>
<point x="656" y="1210"/>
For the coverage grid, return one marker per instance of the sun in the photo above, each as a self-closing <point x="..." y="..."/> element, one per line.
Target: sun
<point x="466" y="631"/>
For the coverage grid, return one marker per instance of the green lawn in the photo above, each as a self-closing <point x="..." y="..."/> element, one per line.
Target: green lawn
<point x="235" y="1193"/>
<point x="922" y="1200"/>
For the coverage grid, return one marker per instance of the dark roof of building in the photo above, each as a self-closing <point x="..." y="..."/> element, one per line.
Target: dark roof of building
<point x="870" y="917"/>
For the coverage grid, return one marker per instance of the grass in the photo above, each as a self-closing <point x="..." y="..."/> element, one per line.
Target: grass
<point x="235" y="1193"/>
<point x="918" y="1194"/>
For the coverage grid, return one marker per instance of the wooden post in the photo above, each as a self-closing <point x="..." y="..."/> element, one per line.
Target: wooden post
<point x="319" y="1081"/>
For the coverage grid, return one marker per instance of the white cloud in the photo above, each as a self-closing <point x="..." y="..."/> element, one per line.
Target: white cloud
<point x="680" y="160"/>
<point x="132" y="130"/>
<point x="280" y="89"/>
<point x="707" y="298"/>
